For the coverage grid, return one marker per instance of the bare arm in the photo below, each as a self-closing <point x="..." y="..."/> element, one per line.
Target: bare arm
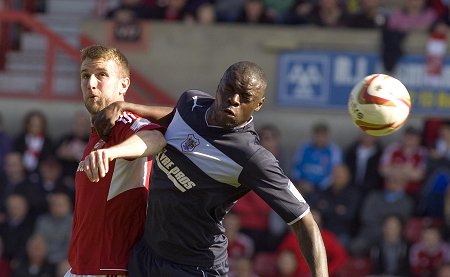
<point x="311" y="244"/>
<point x="143" y="143"/>
<point x="104" y="120"/>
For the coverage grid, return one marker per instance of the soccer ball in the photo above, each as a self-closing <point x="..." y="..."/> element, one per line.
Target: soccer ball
<point x="379" y="104"/>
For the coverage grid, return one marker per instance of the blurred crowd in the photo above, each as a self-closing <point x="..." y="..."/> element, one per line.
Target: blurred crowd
<point x="394" y="19"/>
<point x="37" y="196"/>
<point x="383" y="209"/>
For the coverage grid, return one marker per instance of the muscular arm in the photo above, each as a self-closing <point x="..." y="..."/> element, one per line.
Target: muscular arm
<point x="104" y="120"/>
<point x="311" y="244"/>
<point x="157" y="114"/>
<point x="143" y="143"/>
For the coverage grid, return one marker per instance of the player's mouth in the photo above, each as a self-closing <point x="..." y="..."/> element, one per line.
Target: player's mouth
<point x="229" y="112"/>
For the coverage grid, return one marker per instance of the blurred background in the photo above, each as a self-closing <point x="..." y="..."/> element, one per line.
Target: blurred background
<point x="383" y="202"/>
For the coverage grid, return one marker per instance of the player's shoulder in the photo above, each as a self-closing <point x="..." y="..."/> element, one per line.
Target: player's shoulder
<point x="194" y="95"/>
<point x="133" y="121"/>
<point x="260" y="153"/>
<point x="193" y="101"/>
<point x="127" y="117"/>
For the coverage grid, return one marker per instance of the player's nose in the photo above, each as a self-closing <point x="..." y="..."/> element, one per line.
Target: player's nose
<point x="234" y="99"/>
<point x="92" y="81"/>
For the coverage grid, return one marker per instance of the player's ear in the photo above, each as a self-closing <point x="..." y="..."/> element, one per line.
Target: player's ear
<point x="261" y="102"/>
<point x="124" y="85"/>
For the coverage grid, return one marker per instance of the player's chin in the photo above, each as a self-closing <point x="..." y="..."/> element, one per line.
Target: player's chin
<point x="230" y="124"/>
<point x="93" y="108"/>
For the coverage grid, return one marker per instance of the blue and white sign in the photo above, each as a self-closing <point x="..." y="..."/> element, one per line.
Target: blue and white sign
<point x="325" y="79"/>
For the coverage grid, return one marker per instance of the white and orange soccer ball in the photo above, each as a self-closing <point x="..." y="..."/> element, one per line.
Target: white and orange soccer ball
<point x="379" y="104"/>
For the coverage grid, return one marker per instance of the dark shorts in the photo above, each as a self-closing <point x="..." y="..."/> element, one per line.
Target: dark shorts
<point x="144" y="263"/>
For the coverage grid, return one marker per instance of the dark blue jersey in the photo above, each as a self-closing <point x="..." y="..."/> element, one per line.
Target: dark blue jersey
<point x="199" y="176"/>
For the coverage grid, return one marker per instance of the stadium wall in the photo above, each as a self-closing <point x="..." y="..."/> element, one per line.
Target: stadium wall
<point x="177" y="57"/>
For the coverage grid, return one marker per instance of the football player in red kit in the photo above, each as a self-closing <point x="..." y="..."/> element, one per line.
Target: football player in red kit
<point x="111" y="182"/>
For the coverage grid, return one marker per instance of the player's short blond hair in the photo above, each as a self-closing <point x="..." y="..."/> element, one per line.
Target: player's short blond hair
<point x="99" y="52"/>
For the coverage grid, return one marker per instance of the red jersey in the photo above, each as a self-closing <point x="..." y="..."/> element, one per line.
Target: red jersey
<point x="424" y="261"/>
<point x="254" y="212"/>
<point x="395" y="155"/>
<point x="241" y="246"/>
<point x="109" y="215"/>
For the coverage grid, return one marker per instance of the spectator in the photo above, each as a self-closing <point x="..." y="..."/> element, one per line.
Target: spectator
<point x="432" y="198"/>
<point x="56" y="226"/>
<point x="5" y="145"/>
<point x="328" y="13"/>
<point x="442" y="145"/>
<point x="270" y="138"/>
<point x="17" y="228"/>
<point x="429" y="253"/>
<point x="70" y="147"/>
<point x="390" y="256"/>
<point x="173" y="10"/>
<point x="17" y="181"/>
<point x="370" y="16"/>
<point x="277" y="9"/>
<point x="336" y="254"/>
<point x="35" y="263"/>
<point x="363" y="158"/>
<point x="339" y="205"/>
<point x="127" y="18"/>
<point x="254" y="219"/>
<point x="50" y="174"/>
<point x="33" y="142"/>
<point x="408" y="158"/>
<point x="431" y="129"/>
<point x="254" y="12"/>
<point x="415" y="15"/>
<point x="239" y="244"/>
<point x="204" y="14"/>
<point x="14" y="177"/>
<point x="314" y="162"/>
<point x="243" y="267"/>
<point x="286" y="264"/>
<point x="376" y="206"/>
<point x="228" y="10"/>
<point x="135" y="9"/>
<point x="299" y="12"/>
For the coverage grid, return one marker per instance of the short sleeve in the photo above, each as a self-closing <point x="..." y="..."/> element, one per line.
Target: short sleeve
<point x="264" y="176"/>
<point x="128" y="124"/>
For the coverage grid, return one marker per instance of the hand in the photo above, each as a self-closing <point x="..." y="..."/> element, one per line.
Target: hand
<point x="96" y="164"/>
<point x="105" y="119"/>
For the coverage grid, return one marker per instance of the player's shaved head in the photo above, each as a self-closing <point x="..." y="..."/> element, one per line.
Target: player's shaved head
<point x="245" y="75"/>
<point x="99" y="52"/>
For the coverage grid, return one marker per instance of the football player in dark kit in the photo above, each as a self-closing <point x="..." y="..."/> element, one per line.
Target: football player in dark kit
<point x="212" y="158"/>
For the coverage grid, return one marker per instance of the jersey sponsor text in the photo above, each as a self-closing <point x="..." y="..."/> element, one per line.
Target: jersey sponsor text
<point x="178" y="178"/>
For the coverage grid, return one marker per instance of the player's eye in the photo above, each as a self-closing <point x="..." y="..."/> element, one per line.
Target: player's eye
<point x="245" y="97"/>
<point x="84" y="76"/>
